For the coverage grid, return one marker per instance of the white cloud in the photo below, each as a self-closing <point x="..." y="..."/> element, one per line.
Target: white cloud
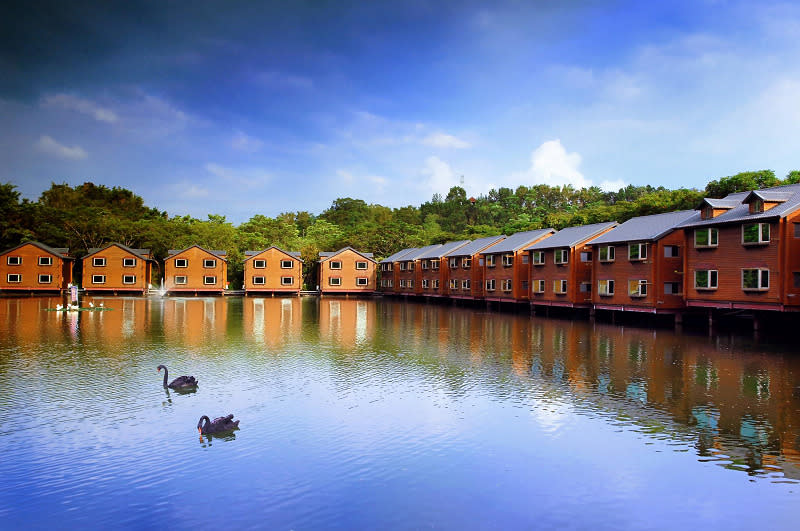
<point x="47" y="145"/>
<point x="440" y="176"/>
<point x="246" y="178"/>
<point x="443" y="140"/>
<point x="244" y="142"/>
<point x="552" y="165"/>
<point x="283" y="80"/>
<point x="73" y="103"/>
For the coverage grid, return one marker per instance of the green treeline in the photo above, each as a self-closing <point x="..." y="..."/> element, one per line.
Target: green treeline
<point x="89" y="215"/>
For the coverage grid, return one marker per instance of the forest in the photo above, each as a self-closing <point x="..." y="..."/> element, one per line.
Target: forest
<point x="90" y="216"/>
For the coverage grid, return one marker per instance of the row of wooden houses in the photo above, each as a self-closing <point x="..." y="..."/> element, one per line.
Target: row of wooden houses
<point x="116" y="268"/>
<point x="741" y="252"/>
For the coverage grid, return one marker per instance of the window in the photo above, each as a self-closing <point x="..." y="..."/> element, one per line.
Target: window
<point x="99" y="262"/>
<point x="637" y="288"/>
<point x="490" y="260"/>
<point x="606" y="253"/>
<point x="45" y="279"/>
<point x="424" y="264"/>
<point x="560" y="287"/>
<point x="671" y="251"/>
<point x="524" y="286"/>
<point x="259" y="264"/>
<point x="466" y="263"/>
<point x="14" y="260"/>
<point x="98" y="279"/>
<point x="561" y="256"/>
<point x="796" y="230"/>
<point x="259" y="281"/>
<point x="287" y="281"/>
<point x="525" y="258"/>
<point x="14" y="278"/>
<point x="45" y="260"/>
<point x="402" y="283"/>
<point x="796" y="278"/>
<point x="538" y="257"/>
<point x="586" y="287"/>
<point x="287" y="264"/>
<point x="755" y="279"/>
<point x="508" y="260"/>
<point x="181" y="262"/>
<point x="209" y="280"/>
<point x="334" y="281"/>
<point x="209" y="263"/>
<point x="490" y="285"/>
<point x="129" y="262"/>
<point x="453" y="283"/>
<point x="506" y="284"/>
<point x="755" y="233"/>
<point x="586" y="256"/>
<point x="411" y="266"/>
<point x="605" y="288"/>
<point x="538" y="286"/>
<point x="129" y="279"/>
<point x="436" y="284"/>
<point x="434" y="264"/>
<point x="707" y="212"/>
<point x="181" y="279"/>
<point x="481" y="261"/>
<point x="402" y="266"/>
<point x="410" y="283"/>
<point x="672" y="288"/>
<point x="386" y="267"/>
<point x="705" y="279"/>
<point x="466" y="284"/>
<point x="706" y="237"/>
<point x="757" y="206"/>
<point x="335" y="264"/>
<point x="426" y="283"/>
<point x="637" y="251"/>
<point x="361" y="266"/>
<point x="453" y="263"/>
<point x="362" y="281"/>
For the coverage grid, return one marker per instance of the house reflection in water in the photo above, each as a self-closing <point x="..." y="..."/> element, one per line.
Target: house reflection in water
<point x="272" y="320"/>
<point x="346" y="322"/>
<point x="195" y="321"/>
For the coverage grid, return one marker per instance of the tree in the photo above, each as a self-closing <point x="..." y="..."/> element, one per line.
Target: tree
<point x="741" y="182"/>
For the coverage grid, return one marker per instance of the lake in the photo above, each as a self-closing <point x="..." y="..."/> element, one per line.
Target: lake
<point x="384" y="414"/>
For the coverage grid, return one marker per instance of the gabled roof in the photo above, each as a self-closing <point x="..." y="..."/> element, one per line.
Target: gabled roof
<point x="720" y="203"/>
<point x="476" y="246"/>
<point x="293" y="254"/>
<point x="572" y="236"/>
<point x="219" y="254"/>
<point x="327" y="254"/>
<point x="647" y="228"/>
<point x="441" y="250"/>
<point x="398" y="255"/>
<point x="60" y="252"/>
<point x="144" y="254"/>
<point x="415" y="255"/>
<point x="788" y="196"/>
<point x="517" y="241"/>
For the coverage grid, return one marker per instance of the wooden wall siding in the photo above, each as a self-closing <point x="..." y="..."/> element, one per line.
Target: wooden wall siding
<point x="60" y="270"/>
<point x="348" y="273"/>
<point x="474" y="274"/>
<point x="195" y="272"/>
<point x="114" y="271"/>
<point x="431" y="275"/>
<point x="518" y="272"/>
<point x="574" y="272"/>
<point x="656" y="270"/>
<point x="791" y="259"/>
<point x="272" y="273"/>
<point x="406" y="276"/>
<point x="729" y="258"/>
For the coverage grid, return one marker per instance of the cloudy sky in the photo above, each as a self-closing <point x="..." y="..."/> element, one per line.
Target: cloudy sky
<point x="243" y="108"/>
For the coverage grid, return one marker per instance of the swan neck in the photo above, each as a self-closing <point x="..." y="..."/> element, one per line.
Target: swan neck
<point x="165" y="376"/>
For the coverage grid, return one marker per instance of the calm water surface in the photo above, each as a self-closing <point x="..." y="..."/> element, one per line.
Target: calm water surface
<point x="376" y="414"/>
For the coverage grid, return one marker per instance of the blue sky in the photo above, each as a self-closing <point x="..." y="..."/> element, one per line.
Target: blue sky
<point x="244" y="108"/>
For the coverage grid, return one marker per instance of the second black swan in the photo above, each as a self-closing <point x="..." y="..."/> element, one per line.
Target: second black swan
<point x="181" y="382"/>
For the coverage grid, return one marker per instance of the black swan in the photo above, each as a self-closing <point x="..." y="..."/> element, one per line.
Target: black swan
<point x="181" y="382"/>
<point x="218" y="425"/>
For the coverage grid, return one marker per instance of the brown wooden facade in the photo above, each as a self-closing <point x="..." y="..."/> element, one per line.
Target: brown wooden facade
<point x="390" y="271"/>
<point x="33" y="266"/>
<point x="196" y="270"/>
<point x="506" y="267"/>
<point x="465" y="270"/>
<point x="434" y="273"/>
<point x="347" y="271"/>
<point x="274" y="271"/>
<point x="117" y="268"/>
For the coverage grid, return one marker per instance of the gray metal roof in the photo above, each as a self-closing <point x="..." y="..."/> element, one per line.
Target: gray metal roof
<point x="141" y="253"/>
<point x="60" y="252"/>
<point x="572" y="236"/>
<point x="721" y="203"/>
<point x="741" y="213"/>
<point x="328" y="254"/>
<point x="414" y="255"/>
<point x="517" y="241"/>
<point x="398" y="255"/>
<point x="293" y="254"/>
<point x="442" y="250"/>
<point x="475" y="246"/>
<point x="218" y="254"/>
<point x="647" y="228"/>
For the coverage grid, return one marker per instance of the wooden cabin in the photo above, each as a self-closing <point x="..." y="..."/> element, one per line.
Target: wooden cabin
<point x="744" y="251"/>
<point x="117" y="268"/>
<point x="409" y="276"/>
<point x="274" y="271"/>
<point x="433" y="271"/>
<point x="465" y="268"/>
<point x="195" y="270"/>
<point x="506" y="266"/>
<point x="34" y="266"/>
<point x="561" y="266"/>
<point x="390" y="271"/>
<point x="347" y="271"/>
<point x="638" y="266"/>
